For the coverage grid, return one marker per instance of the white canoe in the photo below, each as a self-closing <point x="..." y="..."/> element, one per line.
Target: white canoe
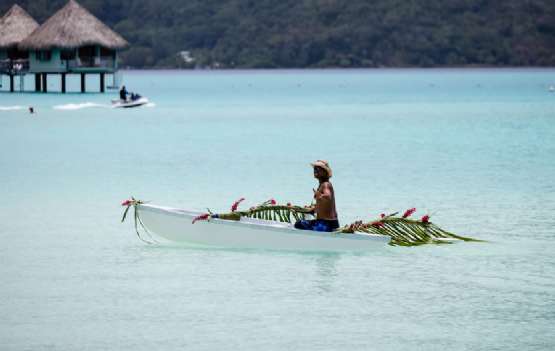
<point x="175" y="225"/>
<point x="129" y="103"/>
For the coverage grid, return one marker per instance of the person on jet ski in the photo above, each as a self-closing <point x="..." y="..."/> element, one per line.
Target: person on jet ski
<point x="123" y="93"/>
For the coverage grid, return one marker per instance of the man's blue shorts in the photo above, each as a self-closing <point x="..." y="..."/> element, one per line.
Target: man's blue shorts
<point x="319" y="225"/>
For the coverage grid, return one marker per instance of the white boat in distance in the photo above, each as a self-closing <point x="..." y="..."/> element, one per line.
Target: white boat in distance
<point x="119" y="103"/>
<point x="175" y="226"/>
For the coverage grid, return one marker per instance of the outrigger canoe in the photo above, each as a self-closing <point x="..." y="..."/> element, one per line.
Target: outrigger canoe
<point x="175" y="225"/>
<point x="270" y="226"/>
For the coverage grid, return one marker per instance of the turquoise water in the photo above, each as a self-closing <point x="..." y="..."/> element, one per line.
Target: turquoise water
<point x="475" y="148"/>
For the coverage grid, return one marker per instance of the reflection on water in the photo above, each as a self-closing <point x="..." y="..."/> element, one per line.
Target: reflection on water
<point x="326" y="271"/>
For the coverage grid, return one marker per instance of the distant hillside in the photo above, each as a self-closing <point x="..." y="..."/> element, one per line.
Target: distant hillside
<point x="325" y="33"/>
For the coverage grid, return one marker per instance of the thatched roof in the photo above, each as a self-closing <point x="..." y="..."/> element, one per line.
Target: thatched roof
<point x="15" y="26"/>
<point x="72" y="27"/>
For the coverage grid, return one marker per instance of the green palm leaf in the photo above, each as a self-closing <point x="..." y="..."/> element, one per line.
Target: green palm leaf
<point x="404" y="231"/>
<point x="279" y="213"/>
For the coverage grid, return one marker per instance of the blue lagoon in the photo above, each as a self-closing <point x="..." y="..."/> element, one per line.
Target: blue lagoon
<point x="472" y="147"/>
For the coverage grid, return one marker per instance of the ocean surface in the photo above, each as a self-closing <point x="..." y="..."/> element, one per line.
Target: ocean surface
<point x="475" y="148"/>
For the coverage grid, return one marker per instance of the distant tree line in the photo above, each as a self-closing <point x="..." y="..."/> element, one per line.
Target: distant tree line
<point x="324" y="33"/>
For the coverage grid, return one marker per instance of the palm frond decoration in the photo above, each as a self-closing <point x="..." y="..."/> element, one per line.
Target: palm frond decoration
<point x="132" y="202"/>
<point x="268" y="210"/>
<point x="404" y="231"/>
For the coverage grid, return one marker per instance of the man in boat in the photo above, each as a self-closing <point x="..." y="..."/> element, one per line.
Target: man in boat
<point x="326" y="214"/>
<point x="123" y="93"/>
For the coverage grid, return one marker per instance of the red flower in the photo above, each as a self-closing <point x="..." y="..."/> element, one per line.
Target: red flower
<point x="268" y="202"/>
<point x="382" y="215"/>
<point x="377" y="224"/>
<point x="202" y="217"/>
<point x="236" y="204"/>
<point x="288" y="204"/>
<point x="409" y="212"/>
<point x="425" y="219"/>
<point x="127" y="203"/>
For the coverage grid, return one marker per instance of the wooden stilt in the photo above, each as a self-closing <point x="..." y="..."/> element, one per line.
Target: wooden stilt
<point x="11" y="83"/>
<point x="37" y="82"/>
<point x="45" y="82"/>
<point x="83" y="87"/>
<point x="63" y="83"/>
<point x="101" y="82"/>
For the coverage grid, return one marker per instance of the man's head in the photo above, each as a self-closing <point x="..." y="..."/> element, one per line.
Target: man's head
<point x="322" y="169"/>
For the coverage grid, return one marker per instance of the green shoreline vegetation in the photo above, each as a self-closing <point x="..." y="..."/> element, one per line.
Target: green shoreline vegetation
<point x="323" y="33"/>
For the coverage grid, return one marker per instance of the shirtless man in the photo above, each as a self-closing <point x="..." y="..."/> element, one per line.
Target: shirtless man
<point x="326" y="214"/>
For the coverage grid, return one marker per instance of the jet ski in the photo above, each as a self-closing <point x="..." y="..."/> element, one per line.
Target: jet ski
<point x="136" y="100"/>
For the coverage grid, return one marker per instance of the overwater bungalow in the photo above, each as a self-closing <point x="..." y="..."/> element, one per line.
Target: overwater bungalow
<point x="72" y="41"/>
<point x="15" y="26"/>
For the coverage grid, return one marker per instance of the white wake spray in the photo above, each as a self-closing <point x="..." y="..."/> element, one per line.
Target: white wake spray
<point x="12" y="108"/>
<point x="80" y="106"/>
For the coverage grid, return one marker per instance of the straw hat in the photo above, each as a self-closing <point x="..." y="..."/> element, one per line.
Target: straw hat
<point x="324" y="165"/>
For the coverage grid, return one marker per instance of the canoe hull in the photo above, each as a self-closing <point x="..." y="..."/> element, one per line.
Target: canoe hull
<point x="174" y="225"/>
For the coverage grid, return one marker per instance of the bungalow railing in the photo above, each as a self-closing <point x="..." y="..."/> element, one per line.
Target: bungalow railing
<point x="19" y="66"/>
<point x="91" y="62"/>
